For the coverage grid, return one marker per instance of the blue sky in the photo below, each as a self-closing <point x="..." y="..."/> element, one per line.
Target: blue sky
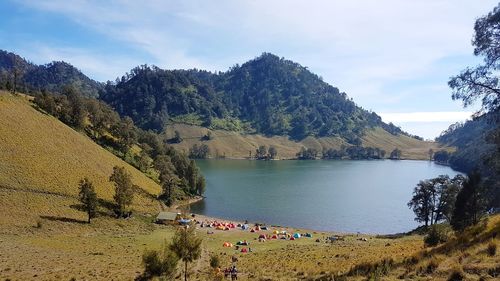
<point x="391" y="56"/>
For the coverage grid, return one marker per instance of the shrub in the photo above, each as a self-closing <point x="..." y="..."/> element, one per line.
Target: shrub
<point x="214" y="261"/>
<point x="159" y="264"/>
<point x="456" y="275"/>
<point x="492" y="249"/>
<point x="432" y="266"/>
<point x="437" y="234"/>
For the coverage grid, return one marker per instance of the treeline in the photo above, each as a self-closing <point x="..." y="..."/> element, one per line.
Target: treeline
<point x="460" y="201"/>
<point x="355" y="152"/>
<point x="17" y="74"/>
<point x="179" y="176"/>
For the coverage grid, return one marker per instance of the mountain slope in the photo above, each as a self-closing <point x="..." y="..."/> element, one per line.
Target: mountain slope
<point x="237" y="145"/>
<point x="52" y="77"/>
<point x="42" y="160"/>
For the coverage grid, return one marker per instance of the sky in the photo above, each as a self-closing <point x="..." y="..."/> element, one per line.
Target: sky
<point x="393" y="57"/>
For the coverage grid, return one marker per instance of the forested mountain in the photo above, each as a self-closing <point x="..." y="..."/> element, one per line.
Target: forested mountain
<point x="472" y="142"/>
<point x="268" y="95"/>
<point x="476" y="150"/>
<point x="15" y="71"/>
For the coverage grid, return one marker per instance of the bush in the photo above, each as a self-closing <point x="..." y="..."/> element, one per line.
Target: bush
<point x="437" y="234"/>
<point x="456" y="275"/>
<point x="492" y="249"/>
<point x="214" y="261"/>
<point x="159" y="264"/>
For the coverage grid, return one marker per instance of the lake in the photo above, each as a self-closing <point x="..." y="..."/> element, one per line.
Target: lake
<point x="332" y="195"/>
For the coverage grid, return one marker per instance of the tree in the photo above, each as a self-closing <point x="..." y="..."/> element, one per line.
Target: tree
<point x="261" y="152"/>
<point x="431" y="154"/>
<point x="159" y="264"/>
<point x="124" y="190"/>
<point x="395" y="154"/>
<point x="421" y="202"/>
<point x="441" y="156"/>
<point x="272" y="151"/>
<point x="177" y="137"/>
<point x="482" y="81"/>
<point x="88" y="198"/>
<point x="470" y="203"/>
<point x="168" y="177"/>
<point x="187" y="245"/>
<point x="200" y="185"/>
<point x="434" y="199"/>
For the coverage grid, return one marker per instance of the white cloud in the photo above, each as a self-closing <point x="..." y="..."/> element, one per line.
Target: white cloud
<point x="363" y="46"/>
<point x="420" y="117"/>
<point x="425" y="124"/>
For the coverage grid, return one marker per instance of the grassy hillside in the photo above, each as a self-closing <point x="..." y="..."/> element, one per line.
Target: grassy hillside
<point x="42" y="160"/>
<point x="236" y="145"/>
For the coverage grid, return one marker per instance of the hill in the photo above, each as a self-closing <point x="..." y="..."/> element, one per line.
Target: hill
<point x="41" y="162"/>
<point x="268" y="95"/>
<point x="476" y="149"/>
<point x="237" y="145"/>
<point x="52" y="77"/>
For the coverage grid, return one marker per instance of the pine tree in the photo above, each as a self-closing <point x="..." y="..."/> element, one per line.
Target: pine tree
<point x="187" y="246"/>
<point x="88" y="198"/>
<point x="124" y="190"/>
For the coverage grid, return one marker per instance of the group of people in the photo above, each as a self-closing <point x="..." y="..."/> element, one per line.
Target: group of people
<point x="231" y="272"/>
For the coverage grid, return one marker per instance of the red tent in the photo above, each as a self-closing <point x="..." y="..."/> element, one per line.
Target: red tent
<point x="244" y="250"/>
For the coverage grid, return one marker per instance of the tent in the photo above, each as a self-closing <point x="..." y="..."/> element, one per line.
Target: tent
<point x="296" y="235"/>
<point x="292" y="238"/>
<point x="184" y="221"/>
<point x="244" y="250"/>
<point x="276" y="232"/>
<point x="274" y="236"/>
<point x="252" y="230"/>
<point x="308" y="235"/>
<point x="227" y="245"/>
<point x="262" y="236"/>
<point x="264" y="228"/>
<point x="244" y="227"/>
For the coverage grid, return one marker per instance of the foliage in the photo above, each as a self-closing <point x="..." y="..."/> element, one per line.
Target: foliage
<point x="438" y="233"/>
<point x="214" y="261"/>
<point x="470" y="203"/>
<point x="492" y="249"/>
<point x="482" y="83"/>
<point x="159" y="264"/>
<point x="434" y="200"/>
<point x="187" y="245"/>
<point x="273" y="95"/>
<point x="395" y="154"/>
<point x="354" y="152"/>
<point x="307" y="154"/>
<point x="88" y="197"/>
<point x="53" y="77"/>
<point x="441" y="156"/>
<point x="120" y="135"/>
<point x="199" y="152"/>
<point x="124" y="190"/>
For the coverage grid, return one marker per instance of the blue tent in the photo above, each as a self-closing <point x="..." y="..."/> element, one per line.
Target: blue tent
<point x="184" y="221"/>
<point x="296" y="235"/>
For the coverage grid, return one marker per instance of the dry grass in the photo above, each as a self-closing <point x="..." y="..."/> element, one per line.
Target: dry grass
<point x="235" y="145"/>
<point x="42" y="160"/>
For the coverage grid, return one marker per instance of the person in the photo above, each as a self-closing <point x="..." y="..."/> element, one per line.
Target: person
<point x="226" y="272"/>
<point x="234" y="273"/>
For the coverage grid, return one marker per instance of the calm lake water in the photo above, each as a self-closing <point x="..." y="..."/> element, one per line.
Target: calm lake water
<point x="347" y="196"/>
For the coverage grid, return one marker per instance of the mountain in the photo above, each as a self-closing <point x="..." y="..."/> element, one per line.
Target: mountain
<point x="42" y="160"/>
<point x="267" y="95"/>
<point x="476" y="150"/>
<point x="52" y="77"/>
